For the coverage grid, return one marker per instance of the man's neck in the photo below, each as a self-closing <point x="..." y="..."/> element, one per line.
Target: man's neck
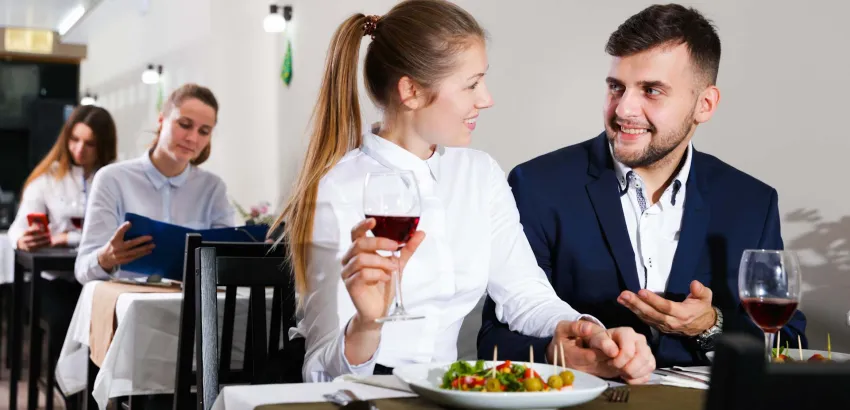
<point x="658" y="176"/>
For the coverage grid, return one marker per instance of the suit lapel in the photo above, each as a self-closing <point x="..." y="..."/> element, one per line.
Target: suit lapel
<point x="604" y="196"/>
<point x="692" y="236"/>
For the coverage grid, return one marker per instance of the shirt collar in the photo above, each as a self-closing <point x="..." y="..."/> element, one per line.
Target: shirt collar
<point x="157" y="179"/>
<point x="395" y="157"/>
<point x="622" y="170"/>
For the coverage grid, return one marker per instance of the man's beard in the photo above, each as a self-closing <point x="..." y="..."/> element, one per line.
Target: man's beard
<point x="660" y="146"/>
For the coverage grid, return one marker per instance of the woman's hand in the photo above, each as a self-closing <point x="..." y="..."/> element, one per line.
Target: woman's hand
<point x="118" y="251"/>
<point x="34" y="238"/>
<point x="368" y="275"/>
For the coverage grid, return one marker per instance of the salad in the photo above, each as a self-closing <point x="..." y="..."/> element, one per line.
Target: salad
<point x="782" y="355"/>
<point x="506" y="377"/>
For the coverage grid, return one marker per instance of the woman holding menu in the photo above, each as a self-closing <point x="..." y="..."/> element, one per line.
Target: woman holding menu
<point x="164" y="184"/>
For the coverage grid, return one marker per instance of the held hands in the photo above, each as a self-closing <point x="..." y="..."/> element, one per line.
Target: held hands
<point x="118" y="251"/>
<point x="607" y="353"/>
<point x="689" y="318"/>
<point x="368" y="275"/>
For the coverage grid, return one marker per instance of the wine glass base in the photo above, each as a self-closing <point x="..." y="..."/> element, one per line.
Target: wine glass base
<point x="398" y="318"/>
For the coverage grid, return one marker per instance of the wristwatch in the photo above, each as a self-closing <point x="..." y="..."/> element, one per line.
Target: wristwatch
<point x="707" y="339"/>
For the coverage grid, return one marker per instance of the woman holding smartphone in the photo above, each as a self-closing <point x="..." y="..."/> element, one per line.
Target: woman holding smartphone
<point x="53" y="205"/>
<point x="53" y="200"/>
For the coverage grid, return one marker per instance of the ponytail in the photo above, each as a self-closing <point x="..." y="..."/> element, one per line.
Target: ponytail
<point x="335" y="131"/>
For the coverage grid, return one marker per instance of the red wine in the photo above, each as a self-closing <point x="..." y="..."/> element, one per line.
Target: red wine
<point x="397" y="228"/>
<point x="77" y="222"/>
<point x="770" y="314"/>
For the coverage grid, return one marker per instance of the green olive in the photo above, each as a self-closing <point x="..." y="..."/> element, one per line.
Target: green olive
<point x="533" y="384"/>
<point x="493" y="385"/>
<point x="568" y="377"/>
<point x="555" y="382"/>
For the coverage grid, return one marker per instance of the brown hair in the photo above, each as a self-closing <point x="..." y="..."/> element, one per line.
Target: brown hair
<point x="185" y="92"/>
<point x="418" y="39"/>
<point x="670" y="24"/>
<point x="106" y="142"/>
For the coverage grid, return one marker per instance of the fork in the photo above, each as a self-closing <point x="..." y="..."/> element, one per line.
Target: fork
<point x="348" y="400"/>
<point x="618" y="394"/>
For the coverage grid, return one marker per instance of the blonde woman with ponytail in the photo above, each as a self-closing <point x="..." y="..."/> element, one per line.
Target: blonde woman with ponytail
<point x="425" y="68"/>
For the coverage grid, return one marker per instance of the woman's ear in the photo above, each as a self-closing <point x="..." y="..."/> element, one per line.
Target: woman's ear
<point x="410" y="93"/>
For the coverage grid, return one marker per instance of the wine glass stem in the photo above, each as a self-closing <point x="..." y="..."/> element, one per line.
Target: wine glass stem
<point x="399" y="305"/>
<point x="768" y="345"/>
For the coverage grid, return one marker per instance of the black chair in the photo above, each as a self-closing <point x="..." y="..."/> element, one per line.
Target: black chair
<point x="255" y="265"/>
<point x="741" y="379"/>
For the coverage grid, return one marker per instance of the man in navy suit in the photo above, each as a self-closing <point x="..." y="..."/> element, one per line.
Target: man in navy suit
<point x="635" y="226"/>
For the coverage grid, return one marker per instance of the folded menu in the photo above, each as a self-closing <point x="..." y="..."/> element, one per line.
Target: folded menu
<point x="166" y="260"/>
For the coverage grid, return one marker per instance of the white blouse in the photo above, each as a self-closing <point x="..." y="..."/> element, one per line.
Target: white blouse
<point x="474" y="244"/>
<point x="195" y="199"/>
<point x="54" y="197"/>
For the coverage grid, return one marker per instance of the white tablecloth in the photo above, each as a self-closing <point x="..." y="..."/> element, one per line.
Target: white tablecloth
<point x="7" y="260"/>
<point x="142" y="358"/>
<point x="249" y="397"/>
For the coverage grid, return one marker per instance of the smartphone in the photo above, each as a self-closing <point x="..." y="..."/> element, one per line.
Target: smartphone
<point x="37" y="218"/>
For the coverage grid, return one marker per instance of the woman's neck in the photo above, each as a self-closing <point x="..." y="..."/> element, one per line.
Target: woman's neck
<point x="406" y="138"/>
<point x="165" y="164"/>
<point x="88" y="171"/>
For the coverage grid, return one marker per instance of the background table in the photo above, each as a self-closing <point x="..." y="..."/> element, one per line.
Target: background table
<point x="142" y="358"/>
<point x="48" y="259"/>
<point x="7" y="260"/>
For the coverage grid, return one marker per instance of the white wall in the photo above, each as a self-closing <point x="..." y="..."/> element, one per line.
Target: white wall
<point x="216" y="43"/>
<point x="779" y="117"/>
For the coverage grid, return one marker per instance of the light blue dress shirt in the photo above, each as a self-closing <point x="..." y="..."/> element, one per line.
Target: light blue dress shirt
<point x="195" y="199"/>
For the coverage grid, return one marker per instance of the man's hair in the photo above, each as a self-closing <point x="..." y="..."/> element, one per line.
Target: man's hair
<point x="670" y="25"/>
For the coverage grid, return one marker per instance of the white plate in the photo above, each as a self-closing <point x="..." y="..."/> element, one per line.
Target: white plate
<point x="425" y="380"/>
<point x="807" y="353"/>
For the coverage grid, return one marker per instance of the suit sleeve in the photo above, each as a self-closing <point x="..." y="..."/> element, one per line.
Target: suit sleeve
<point x="513" y="345"/>
<point x="771" y="238"/>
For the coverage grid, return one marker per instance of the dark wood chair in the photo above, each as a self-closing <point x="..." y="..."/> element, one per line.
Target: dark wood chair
<point x="253" y="265"/>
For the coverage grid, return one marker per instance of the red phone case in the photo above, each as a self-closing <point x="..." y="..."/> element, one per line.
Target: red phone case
<point x="40" y="219"/>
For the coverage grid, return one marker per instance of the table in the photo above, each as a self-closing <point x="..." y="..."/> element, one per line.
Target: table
<point x="48" y="259"/>
<point x="7" y="260"/>
<point x="653" y="397"/>
<point x="142" y="358"/>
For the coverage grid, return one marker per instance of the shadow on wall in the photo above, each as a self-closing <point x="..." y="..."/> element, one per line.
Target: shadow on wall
<point x="824" y="252"/>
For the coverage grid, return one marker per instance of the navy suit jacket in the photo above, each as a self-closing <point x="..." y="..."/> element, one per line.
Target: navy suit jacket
<point x="570" y="210"/>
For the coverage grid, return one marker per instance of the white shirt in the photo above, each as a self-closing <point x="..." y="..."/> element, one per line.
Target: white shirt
<point x="474" y="244"/>
<point x="653" y="228"/>
<point x="55" y="197"/>
<point x="196" y="199"/>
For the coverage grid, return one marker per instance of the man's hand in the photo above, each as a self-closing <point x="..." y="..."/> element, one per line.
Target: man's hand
<point x="605" y="353"/>
<point x="690" y="318"/>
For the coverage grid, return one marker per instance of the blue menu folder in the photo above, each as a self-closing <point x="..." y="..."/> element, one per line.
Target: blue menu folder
<point x="166" y="259"/>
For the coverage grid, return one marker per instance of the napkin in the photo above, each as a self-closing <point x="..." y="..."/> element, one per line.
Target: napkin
<point x="693" y="378"/>
<point x="385" y="381"/>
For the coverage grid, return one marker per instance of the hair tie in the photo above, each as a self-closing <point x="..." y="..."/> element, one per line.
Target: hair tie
<point x="370" y="26"/>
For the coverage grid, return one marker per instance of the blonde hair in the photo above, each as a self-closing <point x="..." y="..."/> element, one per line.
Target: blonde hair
<point x="418" y="39"/>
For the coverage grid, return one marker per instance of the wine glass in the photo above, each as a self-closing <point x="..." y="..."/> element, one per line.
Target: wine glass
<point x="77" y="212"/>
<point x="769" y="285"/>
<point x="392" y="199"/>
